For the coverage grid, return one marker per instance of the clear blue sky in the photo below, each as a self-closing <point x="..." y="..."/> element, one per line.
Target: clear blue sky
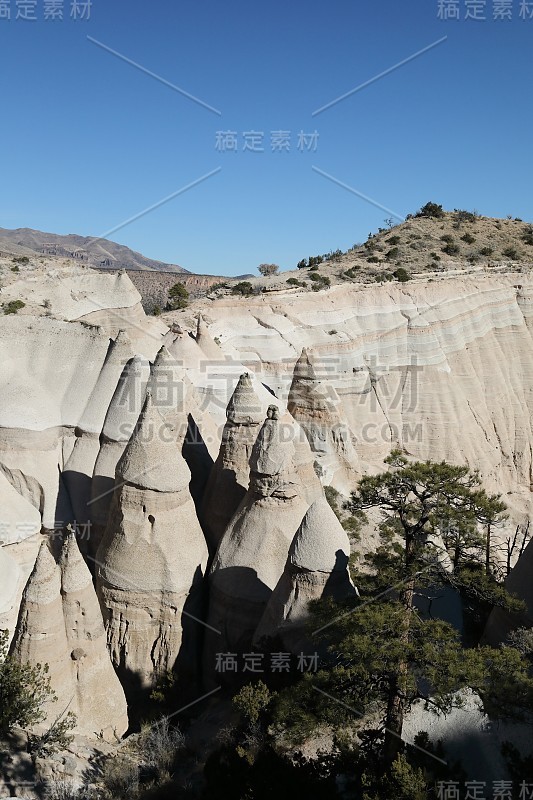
<point x="89" y="141"/>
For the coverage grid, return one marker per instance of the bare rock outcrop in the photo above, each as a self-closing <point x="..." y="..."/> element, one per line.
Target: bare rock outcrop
<point x="121" y="418"/>
<point x="317" y="566"/>
<point x="230" y="475"/>
<point x="317" y="407"/>
<point x="253" y="550"/>
<point x="152" y="559"/>
<point x="9" y="584"/>
<point x="206" y="342"/>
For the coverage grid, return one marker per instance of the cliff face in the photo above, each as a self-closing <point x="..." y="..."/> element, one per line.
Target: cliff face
<point x="441" y="368"/>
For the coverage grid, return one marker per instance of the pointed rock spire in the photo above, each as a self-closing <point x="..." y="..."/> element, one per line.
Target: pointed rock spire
<point x="317" y="566"/>
<point x="152" y="459"/>
<point x="244" y="407"/>
<point x="168" y="384"/>
<point x="40" y="635"/>
<point x="253" y="550"/>
<point x="229" y="478"/>
<point x="316" y="406"/>
<point x="205" y="341"/>
<point x="101" y="704"/>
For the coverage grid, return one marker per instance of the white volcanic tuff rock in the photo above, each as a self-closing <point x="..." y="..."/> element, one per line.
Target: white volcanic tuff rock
<point x="107" y="300"/>
<point x="228" y="482"/>
<point x="9" y="585"/>
<point x="153" y="555"/>
<point x="168" y="384"/>
<point x="100" y="700"/>
<point x="253" y="550"/>
<point x="60" y="624"/>
<point x="19" y="519"/>
<point x="79" y="466"/>
<point x="121" y="419"/>
<point x="317" y="566"/>
<point x="206" y="342"/>
<point x="520" y="583"/>
<point x="316" y="406"/>
<point x="441" y="368"/>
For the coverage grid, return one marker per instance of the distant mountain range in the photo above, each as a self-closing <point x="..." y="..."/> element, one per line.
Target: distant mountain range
<point x="96" y="253"/>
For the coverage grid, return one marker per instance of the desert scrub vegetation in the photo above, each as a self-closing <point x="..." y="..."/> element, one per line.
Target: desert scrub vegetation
<point x="511" y="253"/>
<point x="401" y="275"/>
<point x="243" y="288"/>
<point x="144" y="767"/>
<point x="319" y="281"/>
<point x="431" y="210"/>
<point x="451" y="249"/>
<point x="351" y="273"/>
<point x="12" y="307"/>
<point x="460" y="215"/>
<point x="296" y="282"/>
<point x="21" y="260"/>
<point x="24" y="692"/>
<point x="468" y="238"/>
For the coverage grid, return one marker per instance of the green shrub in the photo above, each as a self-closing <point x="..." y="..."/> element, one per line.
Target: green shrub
<point x="401" y="275"/>
<point x="465" y="216"/>
<point x="15" y="269"/>
<point x="435" y="256"/>
<point x="156" y="311"/>
<point x="317" y="278"/>
<point x="351" y="273"/>
<point x="393" y="240"/>
<point x="13" y="306"/>
<point x="244" y="288"/>
<point x="447" y="237"/>
<point x="527" y="238"/>
<point x="21" y="260"/>
<point x="393" y="253"/>
<point x="24" y="689"/>
<point x="511" y="253"/>
<point x="178" y="297"/>
<point x="252" y="700"/>
<point x="430" y="210"/>
<point x="373" y="259"/>
<point x="468" y="238"/>
<point x="486" y="251"/>
<point x="313" y="267"/>
<point x="302" y="264"/>
<point x="294" y="282"/>
<point x="451" y="249"/>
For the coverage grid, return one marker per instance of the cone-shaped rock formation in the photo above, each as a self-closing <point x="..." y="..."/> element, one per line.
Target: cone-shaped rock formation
<point x="153" y="556"/>
<point x="253" y="550"/>
<point x="229" y="479"/>
<point x="315" y="405"/>
<point x="60" y="624"/>
<point x="317" y="566"/>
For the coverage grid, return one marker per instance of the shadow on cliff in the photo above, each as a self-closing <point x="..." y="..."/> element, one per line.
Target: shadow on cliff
<point x="199" y="461"/>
